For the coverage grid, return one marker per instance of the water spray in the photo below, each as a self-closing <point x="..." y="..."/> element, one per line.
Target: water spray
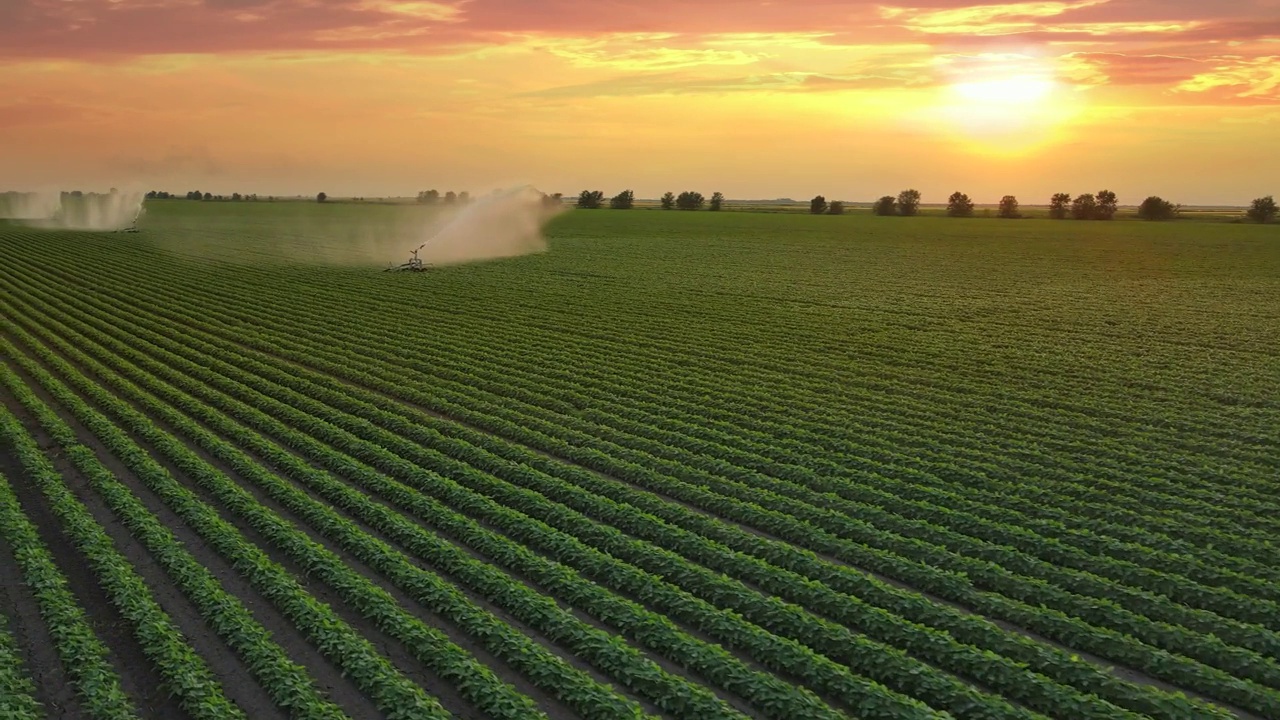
<point x="504" y="224"/>
<point x="117" y="211"/>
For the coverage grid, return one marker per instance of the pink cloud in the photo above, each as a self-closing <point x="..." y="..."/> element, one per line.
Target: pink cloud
<point x="100" y="29"/>
<point x="1122" y="69"/>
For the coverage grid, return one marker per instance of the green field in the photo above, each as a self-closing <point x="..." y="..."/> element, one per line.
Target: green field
<point x="689" y="465"/>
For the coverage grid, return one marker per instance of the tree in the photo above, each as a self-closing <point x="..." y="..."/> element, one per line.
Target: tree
<point x="887" y="205"/>
<point x="624" y="200"/>
<point x="554" y="200"/>
<point x="428" y="197"/>
<point x="690" y="200"/>
<point x="717" y="200"/>
<point x="908" y="202"/>
<point x="319" y="198"/>
<point x="835" y="208"/>
<point x="668" y="200"/>
<point x="1059" y="206"/>
<point x="959" y="205"/>
<point x="818" y="205"/>
<point x="464" y="197"/>
<point x="451" y="197"/>
<point x="1105" y="209"/>
<point x="151" y="195"/>
<point x="590" y="199"/>
<point x="1262" y="210"/>
<point x="1008" y="207"/>
<point x="236" y="197"/>
<point x="1084" y="207"/>
<point x="209" y="196"/>
<point x="1157" y="208"/>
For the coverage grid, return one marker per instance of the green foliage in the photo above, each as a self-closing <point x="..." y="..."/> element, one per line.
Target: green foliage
<point x="668" y="200"/>
<point x="959" y="205"/>
<point x="690" y="200"/>
<point x="590" y="199"/>
<point x="908" y="202"/>
<point x="1105" y="209"/>
<point x="1157" y="208"/>
<point x="887" y="205"/>
<point x="835" y="208"/>
<point x="184" y="673"/>
<point x="1262" y="210"/>
<point x="320" y="197"/>
<point x="717" y="200"/>
<point x="84" y="657"/>
<point x="17" y="690"/>
<point x="818" y="205"/>
<point x="1084" y="207"/>
<point x="1060" y="206"/>
<point x="1008" y="207"/>
<point x="623" y="200"/>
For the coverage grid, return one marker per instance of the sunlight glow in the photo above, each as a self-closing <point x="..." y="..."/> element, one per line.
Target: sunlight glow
<point x="1005" y="116"/>
<point x="1023" y="90"/>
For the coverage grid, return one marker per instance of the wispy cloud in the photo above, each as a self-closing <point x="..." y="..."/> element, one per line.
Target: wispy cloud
<point x="1016" y="14"/>
<point x="1248" y="79"/>
<point x="637" y="51"/>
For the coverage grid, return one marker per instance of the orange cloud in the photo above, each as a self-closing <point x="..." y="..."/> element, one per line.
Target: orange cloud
<point x="392" y="93"/>
<point x="1247" y="79"/>
<point x="985" y="19"/>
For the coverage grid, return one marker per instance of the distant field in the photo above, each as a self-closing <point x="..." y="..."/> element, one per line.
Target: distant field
<point x="685" y="465"/>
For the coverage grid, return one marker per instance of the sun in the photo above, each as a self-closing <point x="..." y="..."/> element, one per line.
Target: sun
<point x="1006" y="114"/>
<point x="1021" y="90"/>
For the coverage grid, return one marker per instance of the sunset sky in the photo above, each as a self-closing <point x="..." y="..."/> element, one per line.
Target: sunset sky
<point x="854" y="100"/>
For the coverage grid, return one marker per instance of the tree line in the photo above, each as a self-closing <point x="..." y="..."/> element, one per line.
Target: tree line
<point x="431" y="197"/>
<point x="1101" y="205"/>
<point x="204" y="196"/>
<point x="1086" y="206"/>
<point x="625" y="200"/>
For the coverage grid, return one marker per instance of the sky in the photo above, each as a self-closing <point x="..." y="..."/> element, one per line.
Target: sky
<point x="755" y="99"/>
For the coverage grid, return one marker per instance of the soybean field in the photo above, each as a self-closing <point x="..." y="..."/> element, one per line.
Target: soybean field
<point x="690" y="465"/>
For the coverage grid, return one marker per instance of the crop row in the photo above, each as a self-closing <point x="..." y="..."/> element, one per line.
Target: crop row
<point x="1174" y="559"/>
<point x="184" y="673"/>
<point x="287" y="683"/>
<point x="938" y="387"/>
<point x="544" y="669"/>
<point x="1009" y="583"/>
<point x="85" y="658"/>
<point x="17" y="690"/>
<point x="436" y="369"/>
<point x="1194" y="625"/>
<point x="390" y="691"/>
<point x="889" y="666"/>
<point x="1150" y="605"/>
<point x="651" y="629"/>
<point x="933" y="645"/>
<point x="509" y="371"/>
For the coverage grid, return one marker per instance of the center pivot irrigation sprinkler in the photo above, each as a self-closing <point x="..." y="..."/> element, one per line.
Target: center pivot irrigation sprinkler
<point x="414" y="265"/>
<point x="133" y="226"/>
